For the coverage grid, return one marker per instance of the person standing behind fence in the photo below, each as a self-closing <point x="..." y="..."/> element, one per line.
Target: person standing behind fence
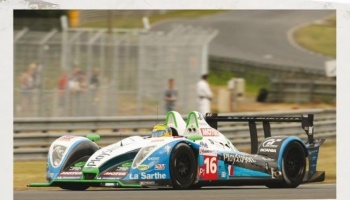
<point x="62" y="87"/>
<point x="204" y="95"/>
<point x="94" y="85"/>
<point x="73" y="88"/>
<point x="170" y="96"/>
<point x="27" y="85"/>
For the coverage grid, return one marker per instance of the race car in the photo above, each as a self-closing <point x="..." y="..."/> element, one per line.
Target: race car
<point x="186" y="155"/>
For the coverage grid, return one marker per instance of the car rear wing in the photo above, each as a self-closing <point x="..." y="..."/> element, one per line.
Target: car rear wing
<point x="306" y="120"/>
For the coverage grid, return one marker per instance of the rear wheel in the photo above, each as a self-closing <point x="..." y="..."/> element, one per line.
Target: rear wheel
<point x="183" y="167"/>
<point x="293" y="166"/>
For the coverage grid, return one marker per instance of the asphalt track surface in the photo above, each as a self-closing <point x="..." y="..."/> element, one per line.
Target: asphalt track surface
<point x="308" y="191"/>
<point x="263" y="36"/>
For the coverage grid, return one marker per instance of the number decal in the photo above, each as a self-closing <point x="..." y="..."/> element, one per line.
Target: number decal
<point x="209" y="170"/>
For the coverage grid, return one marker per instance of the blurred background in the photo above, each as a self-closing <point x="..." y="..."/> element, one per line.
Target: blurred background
<point x="71" y="63"/>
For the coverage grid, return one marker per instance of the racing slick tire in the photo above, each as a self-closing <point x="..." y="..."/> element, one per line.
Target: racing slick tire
<point x="183" y="167"/>
<point x="293" y="166"/>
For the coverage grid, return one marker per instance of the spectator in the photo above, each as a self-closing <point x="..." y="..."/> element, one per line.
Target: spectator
<point x="204" y="95"/>
<point x="170" y="96"/>
<point x="27" y="85"/>
<point x="73" y="84"/>
<point x="81" y="100"/>
<point x="94" y="86"/>
<point x="73" y="89"/>
<point x="62" y="87"/>
<point x="94" y="80"/>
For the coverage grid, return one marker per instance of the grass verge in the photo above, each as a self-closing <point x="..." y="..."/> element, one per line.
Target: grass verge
<point x="319" y="37"/>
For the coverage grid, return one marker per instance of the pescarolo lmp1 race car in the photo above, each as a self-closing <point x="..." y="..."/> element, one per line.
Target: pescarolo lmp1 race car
<point x="186" y="155"/>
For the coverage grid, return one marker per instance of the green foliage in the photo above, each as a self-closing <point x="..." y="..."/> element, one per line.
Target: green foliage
<point x="136" y="22"/>
<point x="219" y="78"/>
<point x="253" y="82"/>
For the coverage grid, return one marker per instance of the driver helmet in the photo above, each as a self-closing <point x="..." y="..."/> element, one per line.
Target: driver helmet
<point x="161" y="130"/>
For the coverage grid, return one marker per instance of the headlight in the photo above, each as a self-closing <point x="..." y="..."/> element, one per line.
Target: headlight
<point x="57" y="154"/>
<point x="141" y="155"/>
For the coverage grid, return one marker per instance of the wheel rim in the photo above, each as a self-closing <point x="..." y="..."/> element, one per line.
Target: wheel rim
<point x="293" y="164"/>
<point x="183" y="165"/>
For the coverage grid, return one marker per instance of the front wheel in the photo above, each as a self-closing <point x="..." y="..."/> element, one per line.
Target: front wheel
<point x="293" y="166"/>
<point x="75" y="186"/>
<point x="183" y="167"/>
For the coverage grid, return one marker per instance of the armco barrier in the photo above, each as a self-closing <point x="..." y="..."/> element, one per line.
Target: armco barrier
<point x="34" y="146"/>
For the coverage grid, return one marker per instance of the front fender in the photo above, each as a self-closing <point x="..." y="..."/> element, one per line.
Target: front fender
<point x="73" y="147"/>
<point x="156" y="165"/>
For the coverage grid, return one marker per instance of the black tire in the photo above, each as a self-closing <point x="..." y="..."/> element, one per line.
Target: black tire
<point x="183" y="167"/>
<point x="293" y="166"/>
<point x="75" y="186"/>
<point x="195" y="186"/>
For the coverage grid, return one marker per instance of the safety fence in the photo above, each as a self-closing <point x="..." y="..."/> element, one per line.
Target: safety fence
<point x="54" y="70"/>
<point x="33" y="137"/>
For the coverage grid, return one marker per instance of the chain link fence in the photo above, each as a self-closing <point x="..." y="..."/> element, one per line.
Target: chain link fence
<point x="93" y="72"/>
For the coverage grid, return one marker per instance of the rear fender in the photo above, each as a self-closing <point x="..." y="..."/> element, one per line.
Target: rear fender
<point x="273" y="147"/>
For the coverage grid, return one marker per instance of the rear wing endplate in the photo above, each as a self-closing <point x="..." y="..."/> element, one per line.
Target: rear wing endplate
<point x="306" y="121"/>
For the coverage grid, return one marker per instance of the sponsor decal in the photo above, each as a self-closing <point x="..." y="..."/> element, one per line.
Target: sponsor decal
<point x="209" y="170"/>
<point x="268" y="150"/>
<point x="143" y="167"/>
<point x="122" y="169"/>
<point x="144" y="175"/>
<point x="74" y="168"/>
<point x="267" y="159"/>
<point x="68" y="177"/>
<point x="127" y="164"/>
<point x="236" y="158"/>
<point x="159" y="166"/>
<point x="147" y="183"/>
<point x="270" y="143"/>
<point x="103" y="154"/>
<point x="203" y="144"/>
<point x="70" y="173"/>
<point x="313" y="151"/>
<point x="209" y="132"/>
<point x="158" y="140"/>
<point x="223" y="174"/>
<point x="115" y="173"/>
<point x="313" y="158"/>
<point x="67" y="137"/>
<point x="203" y="151"/>
<point x="153" y="158"/>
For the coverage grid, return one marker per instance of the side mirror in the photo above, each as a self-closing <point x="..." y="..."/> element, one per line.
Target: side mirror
<point x="93" y="137"/>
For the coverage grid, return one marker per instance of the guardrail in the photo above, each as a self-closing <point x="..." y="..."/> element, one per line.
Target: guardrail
<point x="34" y="146"/>
<point x="244" y="68"/>
<point x="294" y="90"/>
